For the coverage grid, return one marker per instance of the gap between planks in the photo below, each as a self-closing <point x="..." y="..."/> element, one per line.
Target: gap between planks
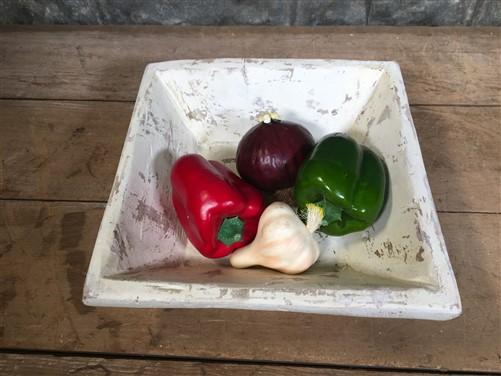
<point x="133" y="101"/>
<point x="42" y="200"/>
<point x="237" y="362"/>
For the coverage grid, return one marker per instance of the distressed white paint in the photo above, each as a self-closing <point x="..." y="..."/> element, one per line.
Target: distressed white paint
<point x="397" y="268"/>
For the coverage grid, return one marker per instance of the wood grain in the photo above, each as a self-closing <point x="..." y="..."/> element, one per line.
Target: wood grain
<point x="440" y="65"/>
<point x="461" y="148"/>
<point x="45" y="249"/>
<point x="60" y="150"/>
<point x="69" y="151"/>
<point x="40" y="365"/>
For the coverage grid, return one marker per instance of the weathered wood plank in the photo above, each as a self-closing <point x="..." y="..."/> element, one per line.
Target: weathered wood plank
<point x="440" y="65"/>
<point x="461" y="148"/>
<point x="60" y="150"/>
<point x="70" y="150"/>
<point x="40" y="365"/>
<point x="45" y="249"/>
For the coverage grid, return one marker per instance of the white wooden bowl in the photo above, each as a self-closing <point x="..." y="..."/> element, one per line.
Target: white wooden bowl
<point x="397" y="268"/>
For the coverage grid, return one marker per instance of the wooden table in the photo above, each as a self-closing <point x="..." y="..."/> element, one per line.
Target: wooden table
<point x="67" y="95"/>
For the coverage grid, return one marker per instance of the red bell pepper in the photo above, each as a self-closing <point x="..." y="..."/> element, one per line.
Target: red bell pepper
<point x="218" y="211"/>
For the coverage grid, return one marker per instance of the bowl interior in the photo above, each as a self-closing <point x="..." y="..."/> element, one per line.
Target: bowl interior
<point x="206" y="107"/>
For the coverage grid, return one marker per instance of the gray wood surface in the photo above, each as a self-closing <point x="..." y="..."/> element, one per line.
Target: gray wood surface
<point x="47" y="247"/>
<point x="60" y="142"/>
<point x="69" y="151"/>
<point x="50" y="365"/>
<point x="440" y="65"/>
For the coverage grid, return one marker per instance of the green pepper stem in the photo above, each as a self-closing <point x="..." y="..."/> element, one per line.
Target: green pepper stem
<point x="230" y="230"/>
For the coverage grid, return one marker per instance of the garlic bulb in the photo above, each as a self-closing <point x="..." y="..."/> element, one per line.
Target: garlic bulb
<point x="282" y="242"/>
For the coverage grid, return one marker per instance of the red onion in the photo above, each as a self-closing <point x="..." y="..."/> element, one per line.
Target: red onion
<point x="270" y="154"/>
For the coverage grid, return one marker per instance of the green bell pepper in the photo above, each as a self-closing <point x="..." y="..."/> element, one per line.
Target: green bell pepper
<point x="348" y="180"/>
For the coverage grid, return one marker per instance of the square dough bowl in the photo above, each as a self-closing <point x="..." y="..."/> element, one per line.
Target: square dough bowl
<point x="397" y="268"/>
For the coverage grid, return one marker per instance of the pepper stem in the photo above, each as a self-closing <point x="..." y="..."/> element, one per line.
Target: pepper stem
<point x="314" y="217"/>
<point x="230" y="230"/>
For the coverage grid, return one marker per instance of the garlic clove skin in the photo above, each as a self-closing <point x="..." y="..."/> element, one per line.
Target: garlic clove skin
<point x="282" y="243"/>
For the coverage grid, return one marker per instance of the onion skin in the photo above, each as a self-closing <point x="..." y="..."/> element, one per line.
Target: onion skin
<point x="270" y="154"/>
